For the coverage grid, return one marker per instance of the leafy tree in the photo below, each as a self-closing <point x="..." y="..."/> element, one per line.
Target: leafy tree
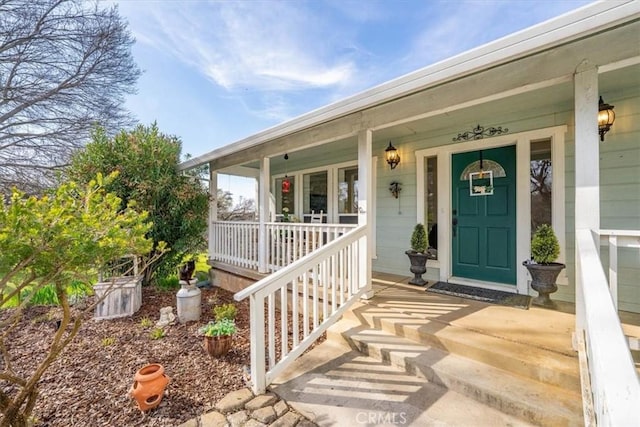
<point x="55" y="240"/>
<point x="65" y="66"/>
<point x="147" y="162"/>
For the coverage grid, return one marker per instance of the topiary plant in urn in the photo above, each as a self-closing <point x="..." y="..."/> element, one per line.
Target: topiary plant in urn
<point x="542" y="267"/>
<point x="418" y="254"/>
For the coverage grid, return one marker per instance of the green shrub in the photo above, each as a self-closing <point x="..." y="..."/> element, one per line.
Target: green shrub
<point x="157" y="333"/>
<point x="108" y="341"/>
<point x="45" y="295"/>
<point x="145" y="322"/>
<point x="168" y="283"/>
<point x="219" y="328"/>
<point x="545" y="248"/>
<point x="201" y="276"/>
<point x="225" y="311"/>
<point x="419" y="239"/>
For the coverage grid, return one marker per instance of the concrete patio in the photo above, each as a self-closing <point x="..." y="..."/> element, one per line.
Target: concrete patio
<point x="410" y="357"/>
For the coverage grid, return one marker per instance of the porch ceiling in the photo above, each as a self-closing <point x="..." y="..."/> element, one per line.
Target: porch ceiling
<point x="619" y="83"/>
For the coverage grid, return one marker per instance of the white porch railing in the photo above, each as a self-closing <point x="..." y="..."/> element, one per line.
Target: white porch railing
<point x="611" y="389"/>
<point x="236" y="243"/>
<point x="312" y="293"/>
<point x="290" y="241"/>
<point x="617" y="239"/>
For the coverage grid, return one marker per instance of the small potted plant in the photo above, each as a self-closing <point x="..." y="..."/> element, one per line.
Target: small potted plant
<point x="218" y="336"/>
<point x="544" y="271"/>
<point x="418" y="254"/>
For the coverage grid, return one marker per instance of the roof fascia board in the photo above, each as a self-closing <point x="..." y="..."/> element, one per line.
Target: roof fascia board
<point x="582" y="22"/>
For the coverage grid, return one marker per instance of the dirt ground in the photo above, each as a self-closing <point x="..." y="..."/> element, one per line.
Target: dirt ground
<point x="88" y="385"/>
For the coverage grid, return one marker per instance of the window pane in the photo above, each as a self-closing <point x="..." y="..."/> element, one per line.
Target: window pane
<point x="285" y="198"/>
<point x="315" y="192"/>
<point x="348" y="190"/>
<point x="541" y="176"/>
<point x="431" y="198"/>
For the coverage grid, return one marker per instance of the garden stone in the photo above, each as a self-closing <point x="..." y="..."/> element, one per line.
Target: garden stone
<point x="237" y="419"/>
<point x="261" y="401"/>
<point x="265" y="415"/>
<point x="254" y="423"/>
<point x="280" y="408"/>
<point x="289" y="419"/>
<point x="213" y="419"/>
<point x="191" y="423"/>
<point x="234" y="401"/>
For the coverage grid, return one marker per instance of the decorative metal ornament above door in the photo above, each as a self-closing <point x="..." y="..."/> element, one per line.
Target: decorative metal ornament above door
<point x="480" y="132"/>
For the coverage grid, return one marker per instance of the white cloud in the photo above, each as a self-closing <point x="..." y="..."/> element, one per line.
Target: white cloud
<point x="256" y="45"/>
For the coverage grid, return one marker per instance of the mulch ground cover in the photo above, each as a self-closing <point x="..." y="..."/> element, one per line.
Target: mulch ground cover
<point x="88" y="385"/>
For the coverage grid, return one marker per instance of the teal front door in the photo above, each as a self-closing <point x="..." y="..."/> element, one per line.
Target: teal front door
<point x="484" y="215"/>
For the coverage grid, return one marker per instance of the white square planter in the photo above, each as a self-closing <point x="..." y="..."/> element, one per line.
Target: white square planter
<point x="124" y="297"/>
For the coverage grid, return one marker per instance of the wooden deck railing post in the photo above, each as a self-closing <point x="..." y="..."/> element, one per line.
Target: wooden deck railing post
<point x="257" y="325"/>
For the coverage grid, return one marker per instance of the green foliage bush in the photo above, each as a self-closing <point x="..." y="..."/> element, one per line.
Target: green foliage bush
<point x="219" y="328"/>
<point x="168" y="283"/>
<point x="157" y="333"/>
<point x="147" y="162"/>
<point x="54" y="243"/>
<point x="145" y="322"/>
<point x="419" y="239"/>
<point x="544" y="245"/>
<point x="225" y="311"/>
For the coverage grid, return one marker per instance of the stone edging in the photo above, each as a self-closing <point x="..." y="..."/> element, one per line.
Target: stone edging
<point x="243" y="408"/>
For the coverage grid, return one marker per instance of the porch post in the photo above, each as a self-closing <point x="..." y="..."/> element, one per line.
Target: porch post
<point x="365" y="208"/>
<point x="213" y="208"/>
<point x="263" y="214"/>
<point x="587" y="168"/>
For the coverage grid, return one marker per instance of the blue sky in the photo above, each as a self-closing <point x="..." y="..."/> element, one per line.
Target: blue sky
<point x="218" y="71"/>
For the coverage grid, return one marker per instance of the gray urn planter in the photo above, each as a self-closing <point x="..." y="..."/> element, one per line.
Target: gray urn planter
<point x="543" y="280"/>
<point x="418" y="267"/>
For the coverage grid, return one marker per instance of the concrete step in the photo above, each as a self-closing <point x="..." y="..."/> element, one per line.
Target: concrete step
<point x="333" y="385"/>
<point x="518" y="357"/>
<point x="532" y="401"/>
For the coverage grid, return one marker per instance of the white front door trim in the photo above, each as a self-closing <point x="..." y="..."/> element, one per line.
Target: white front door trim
<point x="522" y="142"/>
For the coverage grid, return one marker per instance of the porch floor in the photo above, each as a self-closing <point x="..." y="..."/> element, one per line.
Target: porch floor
<point x="336" y="384"/>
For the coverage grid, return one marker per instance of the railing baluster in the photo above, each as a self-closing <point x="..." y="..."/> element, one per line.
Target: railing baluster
<point x="284" y="322"/>
<point x="271" y="330"/>
<point x="613" y="269"/>
<point x="325" y="289"/>
<point x="257" y="331"/>
<point x="343" y="274"/>
<point x="315" y="296"/>
<point x="334" y="279"/>
<point x="295" y="313"/>
<point x="305" y="301"/>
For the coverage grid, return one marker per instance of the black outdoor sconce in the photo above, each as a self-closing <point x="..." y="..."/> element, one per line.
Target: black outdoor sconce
<point x="392" y="156"/>
<point x="606" y="117"/>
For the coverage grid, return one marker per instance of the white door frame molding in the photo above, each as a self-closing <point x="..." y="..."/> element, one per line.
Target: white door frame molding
<point x="522" y="141"/>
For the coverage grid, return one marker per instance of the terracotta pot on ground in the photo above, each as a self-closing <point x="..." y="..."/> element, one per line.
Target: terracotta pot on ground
<point x="148" y="387"/>
<point x="217" y="346"/>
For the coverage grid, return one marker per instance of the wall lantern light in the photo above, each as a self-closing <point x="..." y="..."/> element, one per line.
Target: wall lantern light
<point x="606" y="117"/>
<point x="392" y="156"/>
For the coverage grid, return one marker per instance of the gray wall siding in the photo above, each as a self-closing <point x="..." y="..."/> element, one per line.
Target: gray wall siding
<point x="619" y="192"/>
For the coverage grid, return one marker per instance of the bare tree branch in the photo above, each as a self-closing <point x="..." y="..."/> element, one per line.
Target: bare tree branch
<point x="65" y="67"/>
